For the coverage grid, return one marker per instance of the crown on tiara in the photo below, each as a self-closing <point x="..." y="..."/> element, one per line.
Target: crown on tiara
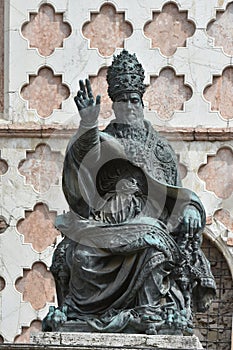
<point x="125" y="75"/>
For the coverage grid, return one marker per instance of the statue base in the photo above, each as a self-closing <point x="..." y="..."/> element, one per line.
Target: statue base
<point x="113" y="341"/>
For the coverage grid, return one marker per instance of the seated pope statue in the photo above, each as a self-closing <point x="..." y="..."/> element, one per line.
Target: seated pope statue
<point x="130" y="260"/>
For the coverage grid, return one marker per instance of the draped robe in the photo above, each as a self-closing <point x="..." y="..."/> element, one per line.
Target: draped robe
<point x="123" y="232"/>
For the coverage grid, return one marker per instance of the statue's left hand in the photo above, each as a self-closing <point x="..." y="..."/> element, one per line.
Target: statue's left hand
<point x="191" y="219"/>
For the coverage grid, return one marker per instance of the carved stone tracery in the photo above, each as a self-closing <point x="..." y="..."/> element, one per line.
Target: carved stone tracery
<point x="169" y="29"/>
<point x="107" y="29"/>
<point x="46" y="30"/>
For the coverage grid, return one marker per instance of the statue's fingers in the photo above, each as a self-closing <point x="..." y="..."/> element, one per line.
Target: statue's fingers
<point x="91" y="101"/>
<point x="89" y="89"/>
<point x="98" y="100"/>
<point x="79" y="95"/>
<point x="81" y="85"/>
<point x="78" y="98"/>
<point x="82" y="89"/>
<point x="79" y="104"/>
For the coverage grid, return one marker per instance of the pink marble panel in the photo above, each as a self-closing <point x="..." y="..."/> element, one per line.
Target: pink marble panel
<point x="219" y="93"/>
<point x="218" y="173"/>
<point x="169" y="29"/>
<point x="45" y="92"/>
<point x="42" y="167"/>
<point x="24" y="337"/>
<point x="38" y="227"/>
<point x="107" y="30"/>
<point x="46" y="30"/>
<point x="37" y="286"/>
<point x="221" y="29"/>
<point x="167" y="93"/>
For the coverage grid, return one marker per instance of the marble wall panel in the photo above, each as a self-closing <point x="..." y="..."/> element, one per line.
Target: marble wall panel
<point x="36" y="286"/>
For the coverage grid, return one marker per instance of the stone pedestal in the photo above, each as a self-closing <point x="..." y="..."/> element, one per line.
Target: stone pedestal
<point x="109" y="341"/>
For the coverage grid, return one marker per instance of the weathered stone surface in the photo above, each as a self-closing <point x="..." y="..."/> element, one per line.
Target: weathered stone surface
<point x="46" y="30"/>
<point x="217" y="173"/>
<point x="221" y="29"/>
<point x="37" y="286"/>
<point x="38" y="227"/>
<point x="45" y="92"/>
<point x="24" y="337"/>
<point x="107" y="30"/>
<point x="169" y="29"/>
<point x="167" y="93"/>
<point x="120" y="341"/>
<point x="42" y="167"/>
<point x="219" y="93"/>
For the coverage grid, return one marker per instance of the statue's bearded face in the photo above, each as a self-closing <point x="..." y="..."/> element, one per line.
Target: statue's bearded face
<point x="128" y="108"/>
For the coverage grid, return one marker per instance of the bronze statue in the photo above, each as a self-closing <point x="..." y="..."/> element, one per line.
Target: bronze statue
<point x="130" y="260"/>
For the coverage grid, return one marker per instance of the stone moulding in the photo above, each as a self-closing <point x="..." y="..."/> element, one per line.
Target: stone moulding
<point x="172" y="134"/>
<point x="112" y="341"/>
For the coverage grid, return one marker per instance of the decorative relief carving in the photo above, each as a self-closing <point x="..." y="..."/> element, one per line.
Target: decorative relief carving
<point x="46" y="30"/>
<point x="24" y="337"/>
<point x="107" y="30"/>
<point x="218" y="173"/>
<point x="42" y="167"/>
<point x="100" y="86"/>
<point x="38" y="228"/>
<point x="219" y="93"/>
<point x="167" y="93"/>
<point x="221" y="29"/>
<point x="169" y="29"/>
<point x="45" y="92"/>
<point x="37" y="286"/>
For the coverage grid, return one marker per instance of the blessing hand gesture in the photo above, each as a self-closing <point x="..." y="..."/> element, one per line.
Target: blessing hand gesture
<point x="88" y="107"/>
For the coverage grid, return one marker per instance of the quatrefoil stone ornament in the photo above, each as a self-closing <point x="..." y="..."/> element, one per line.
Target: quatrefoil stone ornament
<point x="167" y="93"/>
<point x="217" y="173"/>
<point x="45" y="92"/>
<point x="169" y="29"/>
<point x="46" y="30"/>
<point x="41" y="168"/>
<point x="107" y="30"/>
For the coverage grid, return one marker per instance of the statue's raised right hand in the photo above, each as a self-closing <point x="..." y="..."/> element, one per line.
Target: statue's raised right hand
<point x="88" y="107"/>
